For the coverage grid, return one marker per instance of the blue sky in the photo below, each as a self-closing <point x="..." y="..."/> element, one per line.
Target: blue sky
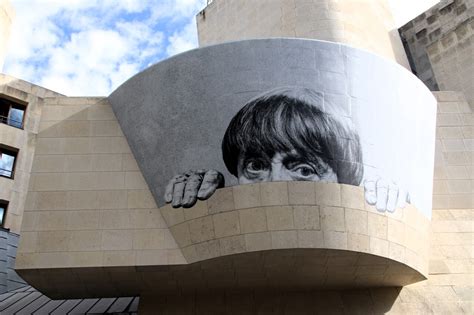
<point x="89" y="47"/>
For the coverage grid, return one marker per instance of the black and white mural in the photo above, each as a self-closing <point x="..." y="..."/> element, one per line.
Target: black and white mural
<point x="280" y="110"/>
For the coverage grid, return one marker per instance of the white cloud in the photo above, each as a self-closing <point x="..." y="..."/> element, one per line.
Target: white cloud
<point x="88" y="47"/>
<point x="183" y="40"/>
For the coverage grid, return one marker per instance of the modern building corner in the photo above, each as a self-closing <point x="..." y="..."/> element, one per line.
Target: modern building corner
<point x="373" y="214"/>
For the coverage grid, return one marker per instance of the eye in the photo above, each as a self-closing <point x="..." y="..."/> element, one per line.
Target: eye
<point x="255" y="166"/>
<point x="304" y="170"/>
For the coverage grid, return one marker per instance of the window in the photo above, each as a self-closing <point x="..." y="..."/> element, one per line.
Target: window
<point x="11" y="112"/>
<point x="3" y="212"/>
<point x="7" y="161"/>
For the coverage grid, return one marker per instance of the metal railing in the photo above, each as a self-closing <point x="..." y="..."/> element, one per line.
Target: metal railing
<point x="11" y="122"/>
<point x="6" y="172"/>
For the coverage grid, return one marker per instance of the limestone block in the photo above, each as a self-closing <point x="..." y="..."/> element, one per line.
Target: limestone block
<point x="332" y="219"/>
<point x="377" y="225"/>
<point x="53" y="241"/>
<point x="111" y="199"/>
<point x="300" y="193"/>
<point x="352" y="197"/>
<point x="51" y="200"/>
<point x="77" y="163"/>
<point x="284" y="239"/>
<point x="201" y="229"/>
<point x="247" y="196"/>
<point x="258" y="241"/>
<point x="378" y="246"/>
<point x="83" y="220"/>
<point x="135" y="180"/>
<point x="117" y="240"/>
<point x="253" y="220"/>
<point x="85" y="240"/>
<point x="115" y="219"/>
<point x="274" y="194"/>
<point x="82" y="200"/>
<point x="141" y="199"/>
<point x="118" y="258"/>
<point x="232" y="245"/>
<point x="280" y="218"/>
<point x="181" y="234"/>
<point x="52" y="220"/>
<point x="336" y="240"/>
<point x="200" y="209"/>
<point x="307" y="217"/>
<point x="328" y="194"/>
<point x="106" y="162"/>
<point x="226" y="224"/>
<point x="172" y="216"/>
<point x="149" y="239"/>
<point x="358" y="242"/>
<point x="310" y="239"/>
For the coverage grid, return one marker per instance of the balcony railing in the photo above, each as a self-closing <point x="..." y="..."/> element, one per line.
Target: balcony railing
<point x="11" y="122"/>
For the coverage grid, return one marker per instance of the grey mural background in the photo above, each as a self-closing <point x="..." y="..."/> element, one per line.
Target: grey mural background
<point x="175" y="113"/>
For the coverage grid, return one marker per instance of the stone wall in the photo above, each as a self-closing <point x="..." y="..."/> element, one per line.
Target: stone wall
<point x="452" y="59"/>
<point x="441" y="29"/>
<point x="14" y="189"/>
<point x="372" y="28"/>
<point x="88" y="203"/>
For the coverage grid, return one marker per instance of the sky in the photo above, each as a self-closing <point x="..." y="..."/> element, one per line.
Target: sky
<point x="90" y="47"/>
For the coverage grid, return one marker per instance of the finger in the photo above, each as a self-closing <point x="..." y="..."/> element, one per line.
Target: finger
<point x="392" y="197"/>
<point x="212" y="180"/>
<point x="370" y="192"/>
<point x="169" y="189"/>
<point x="191" y="191"/>
<point x="402" y="198"/>
<point x="178" y="191"/>
<point x="382" y="195"/>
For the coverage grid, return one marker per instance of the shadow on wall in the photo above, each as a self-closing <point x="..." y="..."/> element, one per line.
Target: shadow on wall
<point x="365" y="301"/>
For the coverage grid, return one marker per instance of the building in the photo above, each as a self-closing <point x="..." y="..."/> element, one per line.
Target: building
<point x="82" y="187"/>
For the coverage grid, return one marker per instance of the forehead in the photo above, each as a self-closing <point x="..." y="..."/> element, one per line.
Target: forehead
<point x="277" y="155"/>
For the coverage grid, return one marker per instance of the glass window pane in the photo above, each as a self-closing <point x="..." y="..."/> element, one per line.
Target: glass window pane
<point x="15" y="118"/>
<point x="6" y="164"/>
<point x="2" y="214"/>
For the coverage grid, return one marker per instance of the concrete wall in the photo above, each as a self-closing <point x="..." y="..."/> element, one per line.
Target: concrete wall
<point x="452" y="59"/>
<point x="88" y="203"/>
<point x="372" y="28"/>
<point x="6" y="16"/>
<point x="14" y="189"/>
<point x="432" y="41"/>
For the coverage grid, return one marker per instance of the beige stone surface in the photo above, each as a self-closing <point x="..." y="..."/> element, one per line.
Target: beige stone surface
<point x="274" y="241"/>
<point x="15" y="189"/>
<point x="373" y="28"/>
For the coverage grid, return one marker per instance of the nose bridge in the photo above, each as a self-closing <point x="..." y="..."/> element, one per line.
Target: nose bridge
<point x="278" y="172"/>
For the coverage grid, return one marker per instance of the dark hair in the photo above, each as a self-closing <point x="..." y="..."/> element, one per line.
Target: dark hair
<point x="287" y="119"/>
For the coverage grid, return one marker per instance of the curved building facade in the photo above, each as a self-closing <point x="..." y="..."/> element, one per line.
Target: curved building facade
<point x="271" y="175"/>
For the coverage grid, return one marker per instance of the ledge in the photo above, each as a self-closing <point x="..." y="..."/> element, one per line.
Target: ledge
<point x="279" y="235"/>
<point x="307" y="215"/>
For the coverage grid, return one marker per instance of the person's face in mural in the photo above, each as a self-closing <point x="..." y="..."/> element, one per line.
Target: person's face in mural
<point x="285" y="166"/>
<point x="288" y="134"/>
<point x="284" y="135"/>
